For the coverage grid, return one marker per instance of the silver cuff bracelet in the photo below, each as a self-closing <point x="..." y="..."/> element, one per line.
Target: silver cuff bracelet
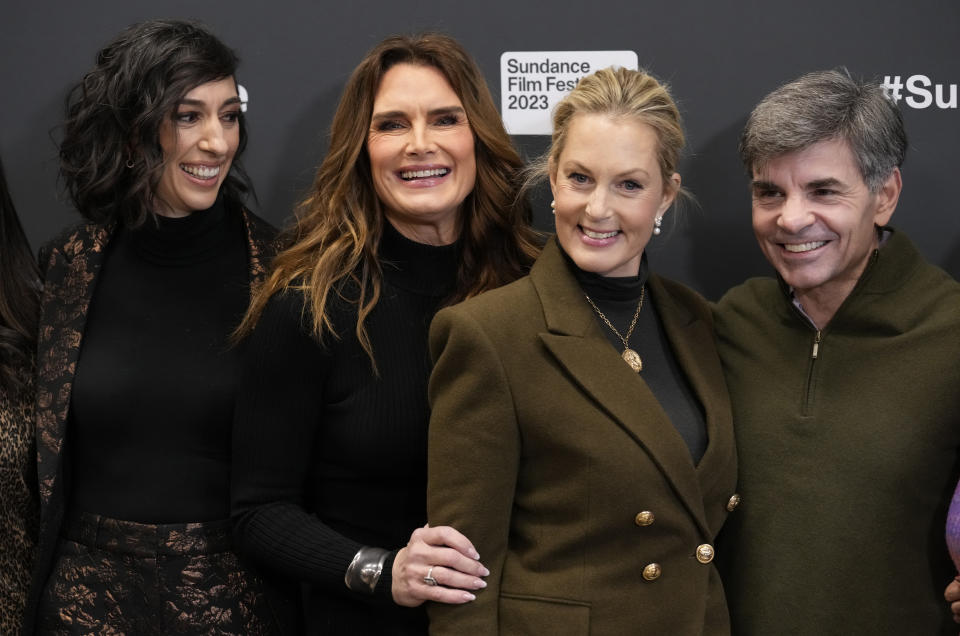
<point x="365" y="569"/>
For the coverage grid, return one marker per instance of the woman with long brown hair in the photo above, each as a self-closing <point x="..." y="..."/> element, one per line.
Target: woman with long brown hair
<point x="19" y="509"/>
<point x="414" y="207"/>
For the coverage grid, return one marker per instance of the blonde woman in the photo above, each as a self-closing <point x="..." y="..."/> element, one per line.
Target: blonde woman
<point x="581" y="432"/>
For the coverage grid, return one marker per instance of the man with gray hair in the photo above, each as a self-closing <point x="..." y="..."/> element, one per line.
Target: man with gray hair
<point x="844" y="374"/>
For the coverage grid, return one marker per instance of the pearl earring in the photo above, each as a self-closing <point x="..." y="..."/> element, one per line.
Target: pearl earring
<point x="657" y="222"/>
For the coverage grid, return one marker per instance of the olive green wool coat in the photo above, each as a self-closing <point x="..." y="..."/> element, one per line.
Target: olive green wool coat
<point x="544" y="446"/>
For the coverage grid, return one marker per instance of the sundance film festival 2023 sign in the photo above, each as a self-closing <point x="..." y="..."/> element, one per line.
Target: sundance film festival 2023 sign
<point x="532" y="82"/>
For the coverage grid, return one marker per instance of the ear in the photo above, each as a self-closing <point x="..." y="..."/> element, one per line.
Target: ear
<point x="552" y="171"/>
<point x="670" y="190"/>
<point x="887" y="197"/>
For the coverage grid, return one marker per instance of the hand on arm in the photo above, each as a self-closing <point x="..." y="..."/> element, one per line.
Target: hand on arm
<point x="448" y="557"/>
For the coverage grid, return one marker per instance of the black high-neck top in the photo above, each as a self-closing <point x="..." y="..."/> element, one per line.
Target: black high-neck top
<point x="153" y="396"/>
<point x="617" y="298"/>
<point x="328" y="455"/>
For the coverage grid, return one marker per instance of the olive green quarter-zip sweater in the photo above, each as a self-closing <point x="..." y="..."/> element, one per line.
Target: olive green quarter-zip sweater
<point x="848" y="444"/>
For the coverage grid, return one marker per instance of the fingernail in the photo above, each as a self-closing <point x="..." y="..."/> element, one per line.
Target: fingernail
<point x="467" y="596"/>
<point x="475" y="555"/>
<point x="486" y="572"/>
<point x="479" y="583"/>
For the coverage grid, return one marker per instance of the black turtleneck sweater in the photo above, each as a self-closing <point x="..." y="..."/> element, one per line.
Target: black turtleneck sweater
<point x="617" y="298"/>
<point x="153" y="395"/>
<point x="329" y="456"/>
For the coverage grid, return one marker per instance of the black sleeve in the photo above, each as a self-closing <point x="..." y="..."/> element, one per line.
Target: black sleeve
<point x="279" y="410"/>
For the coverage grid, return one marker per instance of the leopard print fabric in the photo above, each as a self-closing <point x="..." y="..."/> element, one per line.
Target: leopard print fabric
<point x="19" y="507"/>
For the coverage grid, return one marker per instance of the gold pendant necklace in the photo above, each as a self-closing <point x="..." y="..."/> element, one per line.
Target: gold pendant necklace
<point x="629" y="356"/>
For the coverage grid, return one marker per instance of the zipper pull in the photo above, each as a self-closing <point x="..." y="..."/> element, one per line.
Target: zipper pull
<point x="816" y="344"/>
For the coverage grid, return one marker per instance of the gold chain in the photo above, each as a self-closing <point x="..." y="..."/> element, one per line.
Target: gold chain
<point x="633" y="323"/>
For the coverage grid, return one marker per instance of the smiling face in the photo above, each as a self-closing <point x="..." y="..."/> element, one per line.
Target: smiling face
<point x="421" y="152"/>
<point x="199" y="140"/>
<point x="815" y="220"/>
<point x="608" y="189"/>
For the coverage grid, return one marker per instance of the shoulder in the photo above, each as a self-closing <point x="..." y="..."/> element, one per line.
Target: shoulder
<point x="924" y="277"/>
<point x="929" y="294"/>
<point x="260" y="232"/>
<point x="73" y="242"/>
<point x="74" y="239"/>
<point x="907" y="288"/>
<point x="507" y="303"/>
<point x="741" y="309"/>
<point x="668" y="290"/>
<point x="498" y="318"/>
<point x="746" y="296"/>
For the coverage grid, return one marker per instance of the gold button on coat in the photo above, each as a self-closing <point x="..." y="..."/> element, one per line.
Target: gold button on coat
<point x="733" y="502"/>
<point x="652" y="572"/>
<point x="704" y="553"/>
<point x="644" y="518"/>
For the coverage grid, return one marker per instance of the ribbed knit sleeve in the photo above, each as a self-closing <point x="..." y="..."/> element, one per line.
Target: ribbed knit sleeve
<point x="277" y="419"/>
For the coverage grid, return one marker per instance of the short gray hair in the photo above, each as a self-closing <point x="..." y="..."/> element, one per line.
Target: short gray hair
<point x="822" y="106"/>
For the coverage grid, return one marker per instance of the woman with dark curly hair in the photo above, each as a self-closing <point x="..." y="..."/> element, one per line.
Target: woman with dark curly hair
<point x="19" y="514"/>
<point x="415" y="206"/>
<point x="136" y="375"/>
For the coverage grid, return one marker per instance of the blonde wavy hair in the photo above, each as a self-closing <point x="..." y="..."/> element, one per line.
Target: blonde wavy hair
<point x="339" y="223"/>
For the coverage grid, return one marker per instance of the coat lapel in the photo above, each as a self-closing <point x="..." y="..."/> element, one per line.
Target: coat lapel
<point x="70" y="271"/>
<point x="261" y="246"/>
<point x="575" y="340"/>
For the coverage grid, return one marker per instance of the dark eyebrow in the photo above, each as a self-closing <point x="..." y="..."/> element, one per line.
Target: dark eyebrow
<point x="200" y="103"/>
<point x="757" y="184"/>
<point x="445" y="110"/>
<point x="828" y="182"/>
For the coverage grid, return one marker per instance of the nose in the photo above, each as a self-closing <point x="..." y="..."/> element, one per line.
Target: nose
<point x="213" y="140"/>
<point x="795" y="215"/>
<point x="597" y="203"/>
<point x="419" y="140"/>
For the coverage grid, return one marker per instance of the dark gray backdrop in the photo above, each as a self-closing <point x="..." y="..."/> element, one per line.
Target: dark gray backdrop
<point x="719" y="57"/>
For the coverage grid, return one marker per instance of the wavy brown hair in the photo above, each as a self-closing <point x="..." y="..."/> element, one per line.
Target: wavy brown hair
<point x="340" y="222"/>
<point x="110" y="155"/>
<point x="19" y="299"/>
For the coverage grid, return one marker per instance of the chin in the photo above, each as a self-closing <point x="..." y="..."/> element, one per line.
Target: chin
<point x="202" y="203"/>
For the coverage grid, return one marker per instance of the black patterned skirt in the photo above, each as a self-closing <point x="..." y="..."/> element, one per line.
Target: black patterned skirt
<point x="121" y="577"/>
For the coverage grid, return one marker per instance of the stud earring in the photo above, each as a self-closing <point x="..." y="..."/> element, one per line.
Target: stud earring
<point x="553" y="206"/>
<point x="657" y="222"/>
